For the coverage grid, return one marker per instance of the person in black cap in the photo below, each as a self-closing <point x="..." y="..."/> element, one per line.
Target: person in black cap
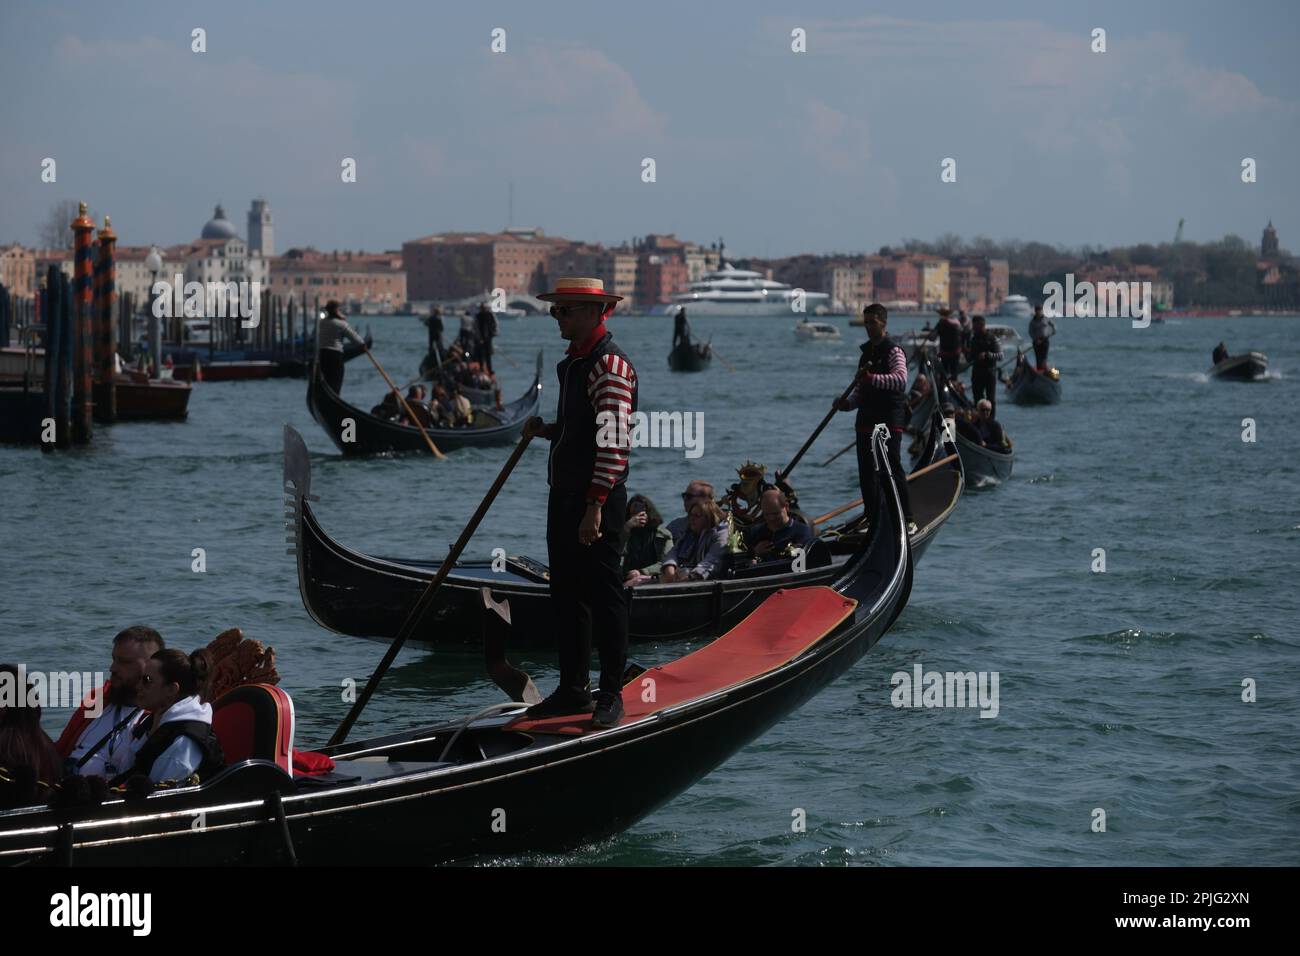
<point x="880" y="396"/>
<point x="590" y="443"/>
<point x="329" y="340"/>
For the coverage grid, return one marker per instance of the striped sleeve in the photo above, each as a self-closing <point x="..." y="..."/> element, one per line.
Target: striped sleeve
<point x="610" y="386"/>
<point x="895" y="380"/>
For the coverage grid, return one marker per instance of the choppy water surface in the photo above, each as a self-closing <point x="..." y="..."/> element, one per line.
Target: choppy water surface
<point x="1119" y="691"/>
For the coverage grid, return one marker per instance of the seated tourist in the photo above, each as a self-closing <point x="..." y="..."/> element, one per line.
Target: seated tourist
<point x="989" y="428"/>
<point x="698" y="555"/>
<point x="1220" y="353"/>
<point x="389" y="409"/>
<point x="919" y="392"/>
<point x="415" y="399"/>
<point x="646" y="541"/>
<point x="697" y="490"/>
<point x="28" y="758"/>
<point x="777" y="533"/>
<point x="440" y="407"/>
<point x="102" y="745"/>
<point x="965" y="427"/>
<point x="176" y="739"/>
<point x="462" y="411"/>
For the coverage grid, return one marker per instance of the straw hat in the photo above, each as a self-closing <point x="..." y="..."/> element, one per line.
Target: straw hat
<point x="575" y="289"/>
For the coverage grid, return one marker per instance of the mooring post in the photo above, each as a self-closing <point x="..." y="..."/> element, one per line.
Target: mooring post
<point x="106" y="411"/>
<point x="82" y="338"/>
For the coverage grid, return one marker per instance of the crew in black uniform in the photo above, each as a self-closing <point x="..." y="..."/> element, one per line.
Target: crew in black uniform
<point x="948" y="332"/>
<point x="587" y="472"/>
<point x="880" y="396"/>
<point x="985" y="352"/>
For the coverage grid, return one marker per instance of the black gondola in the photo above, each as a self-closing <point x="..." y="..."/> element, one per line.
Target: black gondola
<point x="373" y="435"/>
<point x="1250" y="367"/>
<point x="1029" y="386"/>
<point x="365" y="596"/>
<point x="983" y="466"/>
<point x="690" y="356"/>
<point x="499" y="784"/>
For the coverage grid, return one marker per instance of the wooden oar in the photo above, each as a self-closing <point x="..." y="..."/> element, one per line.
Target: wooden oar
<point x="782" y="475"/>
<point x="858" y="501"/>
<point x="413" y="619"/>
<point x="409" y="413"/>
<point x="852" y="444"/>
<point x="710" y="347"/>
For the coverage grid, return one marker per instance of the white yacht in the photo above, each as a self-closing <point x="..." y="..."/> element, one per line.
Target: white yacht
<point x="732" y="291"/>
<point x="1016" y="307"/>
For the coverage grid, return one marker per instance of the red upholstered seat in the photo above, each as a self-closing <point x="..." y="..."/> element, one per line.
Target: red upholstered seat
<point x="255" y="721"/>
<point x="779" y="629"/>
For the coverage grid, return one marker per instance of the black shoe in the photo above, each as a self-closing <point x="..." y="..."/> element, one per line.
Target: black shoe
<point x="562" y="703"/>
<point x="609" y="710"/>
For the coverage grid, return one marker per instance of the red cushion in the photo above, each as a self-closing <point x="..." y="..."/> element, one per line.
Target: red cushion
<point x="782" y="627"/>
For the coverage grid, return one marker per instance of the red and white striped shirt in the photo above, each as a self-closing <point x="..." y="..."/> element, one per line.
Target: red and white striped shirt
<point x="610" y="387"/>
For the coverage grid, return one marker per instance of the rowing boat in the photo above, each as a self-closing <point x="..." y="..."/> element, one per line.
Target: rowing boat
<point x="357" y="432"/>
<point x="362" y="595"/>
<point x="1249" y="367"/>
<point x="1029" y="386"/>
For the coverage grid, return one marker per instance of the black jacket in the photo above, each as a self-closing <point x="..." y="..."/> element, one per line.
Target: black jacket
<point x="877" y="404"/>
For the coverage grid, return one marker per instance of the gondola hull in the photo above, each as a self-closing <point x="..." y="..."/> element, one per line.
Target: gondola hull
<point x="690" y="357"/>
<point x="362" y="595"/>
<point x="416" y="799"/>
<point x="1031" y="387"/>
<point x="1251" y="367"/>
<point x="371" y="435"/>
<point x="984" y="466"/>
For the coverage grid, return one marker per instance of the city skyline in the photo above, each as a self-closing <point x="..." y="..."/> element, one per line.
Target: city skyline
<point x="780" y="152"/>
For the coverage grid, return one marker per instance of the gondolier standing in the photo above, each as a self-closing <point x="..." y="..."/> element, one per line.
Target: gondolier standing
<point x="590" y="441"/>
<point x="1041" y="328"/>
<point x="880" y="396"/>
<point x="329" y="338"/>
<point x="485" y="327"/>
<point x="985" y="352"/>
<point x="949" y="334"/>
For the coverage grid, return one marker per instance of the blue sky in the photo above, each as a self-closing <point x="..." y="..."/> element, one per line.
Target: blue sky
<point x="835" y="149"/>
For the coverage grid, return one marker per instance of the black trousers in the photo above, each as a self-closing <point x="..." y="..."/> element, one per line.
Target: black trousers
<point x="1040" y="352"/>
<point x="984" y="384"/>
<point x="483" y="355"/>
<point x="867" y="472"/>
<point x="331" y="368"/>
<point x="587" y="595"/>
<point x="950" y="364"/>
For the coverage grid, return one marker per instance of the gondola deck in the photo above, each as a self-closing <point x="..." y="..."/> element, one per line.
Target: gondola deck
<point x="776" y="632"/>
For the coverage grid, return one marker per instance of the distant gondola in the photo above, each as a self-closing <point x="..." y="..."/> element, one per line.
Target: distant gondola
<point x="984" y="466"/>
<point x="690" y="356"/>
<point x="1250" y="367"/>
<point x="354" y="593"/>
<point x="373" y="435"/>
<point x="1029" y="386"/>
<point x="440" y="792"/>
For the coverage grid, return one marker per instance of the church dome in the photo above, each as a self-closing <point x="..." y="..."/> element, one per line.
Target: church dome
<point x="219" y="227"/>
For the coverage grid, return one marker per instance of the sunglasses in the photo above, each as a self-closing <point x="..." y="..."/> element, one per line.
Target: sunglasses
<point x="564" y="311"/>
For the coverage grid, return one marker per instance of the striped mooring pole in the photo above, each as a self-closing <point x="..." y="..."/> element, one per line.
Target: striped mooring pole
<point x="82" y="340"/>
<point x="105" y="339"/>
